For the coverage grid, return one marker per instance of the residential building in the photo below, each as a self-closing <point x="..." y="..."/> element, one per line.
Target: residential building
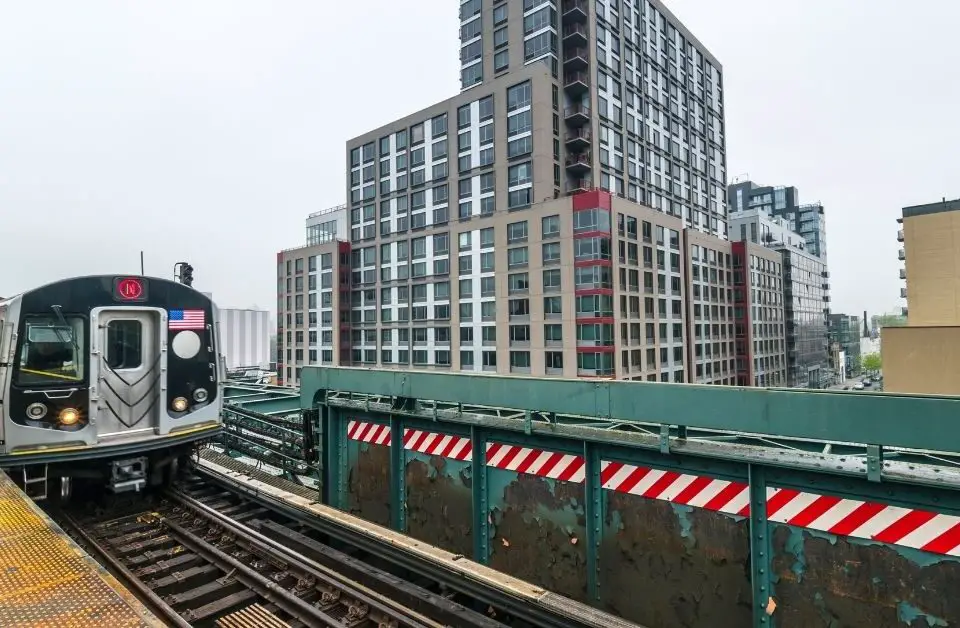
<point x="771" y="216"/>
<point x="640" y="99"/>
<point x="328" y="224"/>
<point x="845" y="333"/>
<point x="808" y="219"/>
<point x="921" y="357"/>
<point x="506" y="292"/>
<point x="759" y="317"/>
<point x="313" y="297"/>
<point x="481" y="229"/>
<point x="806" y="307"/>
<point x="758" y="226"/>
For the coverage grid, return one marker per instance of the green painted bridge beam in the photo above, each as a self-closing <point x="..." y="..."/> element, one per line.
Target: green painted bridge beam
<point x="593" y="507"/>
<point x="890" y="420"/>
<point x="269" y="405"/>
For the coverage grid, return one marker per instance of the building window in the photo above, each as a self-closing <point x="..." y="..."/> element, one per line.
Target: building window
<point x="519" y="96"/>
<point x="501" y="60"/>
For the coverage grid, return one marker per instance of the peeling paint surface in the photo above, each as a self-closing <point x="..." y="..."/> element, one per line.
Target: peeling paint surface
<point x="674" y="566"/>
<point x="821" y="580"/>
<point x="537" y="531"/>
<point x="368" y="481"/>
<point x="440" y="502"/>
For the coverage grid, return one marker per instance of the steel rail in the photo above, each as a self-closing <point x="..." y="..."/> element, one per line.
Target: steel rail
<point x="152" y="600"/>
<point x="321" y="572"/>
<point x="546" y="615"/>
<point x="259" y="584"/>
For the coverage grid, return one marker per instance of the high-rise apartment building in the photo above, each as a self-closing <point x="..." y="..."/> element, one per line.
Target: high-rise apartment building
<point x="773" y="217"/>
<point x="639" y="98"/>
<point x="807" y="219"/>
<point x="590" y="285"/>
<point x="313" y="295"/>
<point x="759" y="316"/>
<point x="563" y="215"/>
<point x="921" y="357"/>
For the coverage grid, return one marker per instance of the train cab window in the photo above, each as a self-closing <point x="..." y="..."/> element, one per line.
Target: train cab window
<point x="51" y="352"/>
<point x="124" y="344"/>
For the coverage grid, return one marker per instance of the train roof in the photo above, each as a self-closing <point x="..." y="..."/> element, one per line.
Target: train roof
<point x="6" y="300"/>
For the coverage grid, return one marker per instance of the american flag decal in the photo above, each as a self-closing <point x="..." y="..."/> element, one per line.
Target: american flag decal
<point x="187" y="319"/>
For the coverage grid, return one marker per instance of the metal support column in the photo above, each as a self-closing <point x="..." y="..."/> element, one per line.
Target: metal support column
<point x="593" y="506"/>
<point x="334" y="455"/>
<point x="398" y="477"/>
<point x="481" y="507"/>
<point x="760" y="559"/>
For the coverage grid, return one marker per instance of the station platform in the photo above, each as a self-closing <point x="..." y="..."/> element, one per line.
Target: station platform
<point x="48" y="580"/>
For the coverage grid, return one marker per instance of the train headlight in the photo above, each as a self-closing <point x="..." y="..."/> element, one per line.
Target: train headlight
<point x="69" y="416"/>
<point x="200" y="395"/>
<point x="179" y="404"/>
<point x="36" y="411"/>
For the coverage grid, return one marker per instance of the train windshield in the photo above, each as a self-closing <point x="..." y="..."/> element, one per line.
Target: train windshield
<point x="52" y="351"/>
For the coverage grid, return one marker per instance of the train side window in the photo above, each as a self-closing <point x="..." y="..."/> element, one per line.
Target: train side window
<point x="124" y="344"/>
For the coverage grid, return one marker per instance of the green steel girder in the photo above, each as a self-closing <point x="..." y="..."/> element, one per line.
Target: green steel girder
<point x="481" y="498"/>
<point x="398" y="476"/>
<point x="734" y="424"/>
<point x="267" y="405"/>
<point x="760" y="549"/>
<point x="633" y="437"/>
<point x="593" y="510"/>
<point x="881" y="418"/>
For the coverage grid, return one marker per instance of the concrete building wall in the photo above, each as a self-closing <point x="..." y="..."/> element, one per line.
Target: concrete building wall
<point x="932" y="250"/>
<point x="921" y="360"/>
<point x="922" y="357"/>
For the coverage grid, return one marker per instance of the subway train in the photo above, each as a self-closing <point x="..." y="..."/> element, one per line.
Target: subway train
<point x="111" y="380"/>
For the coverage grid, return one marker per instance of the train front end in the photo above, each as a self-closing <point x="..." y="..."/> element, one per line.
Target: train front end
<point x="113" y="376"/>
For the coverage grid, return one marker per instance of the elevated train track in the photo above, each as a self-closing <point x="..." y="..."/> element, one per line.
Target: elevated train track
<point x="203" y="553"/>
<point x="208" y="553"/>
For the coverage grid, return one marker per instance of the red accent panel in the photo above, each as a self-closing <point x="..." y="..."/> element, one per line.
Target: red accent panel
<point x="591" y="234"/>
<point x="588" y="320"/>
<point x="608" y="349"/>
<point x="593" y="262"/>
<point x="594" y="199"/>
<point x="586" y="292"/>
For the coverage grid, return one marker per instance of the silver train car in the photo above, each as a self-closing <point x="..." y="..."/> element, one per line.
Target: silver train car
<point x="106" y="379"/>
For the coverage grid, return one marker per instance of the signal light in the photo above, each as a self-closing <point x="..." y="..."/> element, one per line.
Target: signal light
<point x="186" y="275"/>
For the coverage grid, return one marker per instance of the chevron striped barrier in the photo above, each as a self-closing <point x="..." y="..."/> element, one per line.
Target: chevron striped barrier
<point x="918" y="529"/>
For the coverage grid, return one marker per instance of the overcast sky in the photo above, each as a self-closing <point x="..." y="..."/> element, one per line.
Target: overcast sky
<point x="206" y="130"/>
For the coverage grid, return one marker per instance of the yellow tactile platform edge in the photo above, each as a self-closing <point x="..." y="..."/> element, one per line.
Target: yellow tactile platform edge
<point x="47" y="580"/>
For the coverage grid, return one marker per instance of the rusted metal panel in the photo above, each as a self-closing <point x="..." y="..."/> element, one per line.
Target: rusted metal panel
<point x="369" y="477"/>
<point x="439" y="502"/>
<point x="537" y="518"/>
<point x="825" y="580"/>
<point x="670" y="565"/>
<point x="439" y="485"/>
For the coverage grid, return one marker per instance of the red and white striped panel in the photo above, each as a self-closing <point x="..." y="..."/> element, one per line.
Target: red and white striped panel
<point x="548" y="464"/>
<point x="430" y="443"/>
<point x="680" y="488"/>
<point x="373" y="433"/>
<point x="434" y="444"/>
<point x="919" y="529"/>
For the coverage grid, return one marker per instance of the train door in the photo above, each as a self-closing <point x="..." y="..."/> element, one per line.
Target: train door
<point x="129" y="372"/>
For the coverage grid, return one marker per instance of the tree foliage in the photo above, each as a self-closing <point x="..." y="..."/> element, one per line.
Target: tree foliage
<point x="889" y="320"/>
<point x="872" y="362"/>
